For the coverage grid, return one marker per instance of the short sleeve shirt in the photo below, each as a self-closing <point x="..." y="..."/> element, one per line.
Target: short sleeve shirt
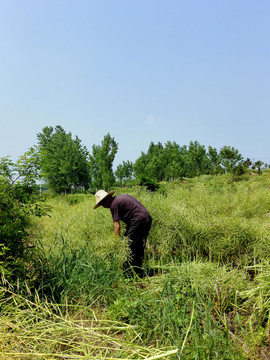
<point x="128" y="209"/>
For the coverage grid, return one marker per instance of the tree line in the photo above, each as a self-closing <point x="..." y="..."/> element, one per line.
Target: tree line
<point x="66" y="165"/>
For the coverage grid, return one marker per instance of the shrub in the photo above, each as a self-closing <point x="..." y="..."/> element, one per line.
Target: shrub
<point x="17" y="203"/>
<point x="149" y="184"/>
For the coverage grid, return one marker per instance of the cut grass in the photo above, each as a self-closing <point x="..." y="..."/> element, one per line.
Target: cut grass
<point x="40" y="330"/>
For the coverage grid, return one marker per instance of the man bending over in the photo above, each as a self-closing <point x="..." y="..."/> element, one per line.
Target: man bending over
<point x="138" y="223"/>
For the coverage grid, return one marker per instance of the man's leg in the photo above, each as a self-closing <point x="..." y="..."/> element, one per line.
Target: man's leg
<point x="137" y="240"/>
<point x="137" y="251"/>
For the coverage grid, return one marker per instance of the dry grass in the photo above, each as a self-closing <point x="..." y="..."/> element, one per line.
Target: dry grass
<point x="39" y="330"/>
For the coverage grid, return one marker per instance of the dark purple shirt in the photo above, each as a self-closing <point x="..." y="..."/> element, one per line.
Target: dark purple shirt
<point x="128" y="209"/>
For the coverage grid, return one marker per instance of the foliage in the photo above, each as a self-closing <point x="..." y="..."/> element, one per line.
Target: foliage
<point x="63" y="160"/>
<point x="148" y="183"/>
<point x="68" y="166"/>
<point x="17" y="203"/>
<point x="207" y="256"/>
<point x="174" y="161"/>
<point x="161" y="163"/>
<point x="247" y="163"/>
<point x="198" y="162"/>
<point x="257" y="165"/>
<point x="215" y="161"/>
<point x="23" y="173"/>
<point x="171" y="162"/>
<point x="101" y="161"/>
<point x="230" y="159"/>
<point x="124" y="173"/>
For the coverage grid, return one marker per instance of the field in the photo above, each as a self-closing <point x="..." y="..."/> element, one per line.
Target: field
<point x="206" y="294"/>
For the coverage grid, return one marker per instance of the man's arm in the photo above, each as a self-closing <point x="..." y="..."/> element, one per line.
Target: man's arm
<point x="117" y="227"/>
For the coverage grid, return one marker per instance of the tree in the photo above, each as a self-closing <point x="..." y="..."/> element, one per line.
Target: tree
<point x="64" y="161"/>
<point x="230" y="159"/>
<point x="258" y="164"/>
<point x="18" y="201"/>
<point x="247" y="163"/>
<point x="140" y="165"/>
<point x="174" y="161"/>
<point x="215" y="160"/>
<point x="101" y="163"/>
<point x="151" y="164"/>
<point x="124" y="173"/>
<point x="23" y="173"/>
<point x="155" y="166"/>
<point x="198" y="161"/>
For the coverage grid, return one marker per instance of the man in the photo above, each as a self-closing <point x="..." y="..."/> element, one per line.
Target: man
<point x="138" y="223"/>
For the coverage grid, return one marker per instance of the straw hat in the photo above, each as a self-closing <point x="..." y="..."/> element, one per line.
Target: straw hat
<point x="101" y="195"/>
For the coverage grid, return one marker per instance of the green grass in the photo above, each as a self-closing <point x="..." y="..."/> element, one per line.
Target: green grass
<point x="207" y="295"/>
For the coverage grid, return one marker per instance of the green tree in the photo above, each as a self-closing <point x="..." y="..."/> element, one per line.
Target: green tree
<point x="64" y="161"/>
<point x="155" y="166"/>
<point x="247" y="163"/>
<point x="18" y="202"/>
<point x="151" y="164"/>
<point x="101" y="163"/>
<point x="257" y="165"/>
<point x="231" y="159"/>
<point x="215" y="160"/>
<point x="140" y="165"/>
<point x="198" y="162"/>
<point x="24" y="173"/>
<point x="174" y="161"/>
<point x="124" y="173"/>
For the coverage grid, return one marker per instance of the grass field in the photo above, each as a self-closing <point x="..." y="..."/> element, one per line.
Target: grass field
<point x="206" y="294"/>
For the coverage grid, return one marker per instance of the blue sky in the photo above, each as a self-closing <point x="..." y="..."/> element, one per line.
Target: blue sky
<point x="144" y="70"/>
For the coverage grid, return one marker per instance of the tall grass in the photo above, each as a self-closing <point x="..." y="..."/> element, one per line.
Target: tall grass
<point x="221" y="222"/>
<point x="187" y="299"/>
<point x="229" y="224"/>
<point x="208" y="248"/>
<point x="79" y="275"/>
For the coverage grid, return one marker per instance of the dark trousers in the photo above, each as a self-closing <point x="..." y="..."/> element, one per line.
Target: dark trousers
<point x="137" y="235"/>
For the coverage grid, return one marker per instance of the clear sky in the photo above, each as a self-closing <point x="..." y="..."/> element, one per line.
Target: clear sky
<point x="141" y="70"/>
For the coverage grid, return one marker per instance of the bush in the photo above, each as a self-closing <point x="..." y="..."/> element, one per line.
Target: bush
<point x="149" y="184"/>
<point x="18" y="202"/>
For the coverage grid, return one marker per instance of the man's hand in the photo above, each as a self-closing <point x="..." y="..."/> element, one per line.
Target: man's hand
<point x="117" y="228"/>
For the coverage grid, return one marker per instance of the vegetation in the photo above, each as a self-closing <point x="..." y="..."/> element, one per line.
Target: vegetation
<point x="63" y="293"/>
<point x="171" y="162"/>
<point x="125" y="174"/>
<point x="67" y="166"/>
<point x="101" y="163"/>
<point x="18" y="201"/>
<point x="63" y="160"/>
<point x="206" y="295"/>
